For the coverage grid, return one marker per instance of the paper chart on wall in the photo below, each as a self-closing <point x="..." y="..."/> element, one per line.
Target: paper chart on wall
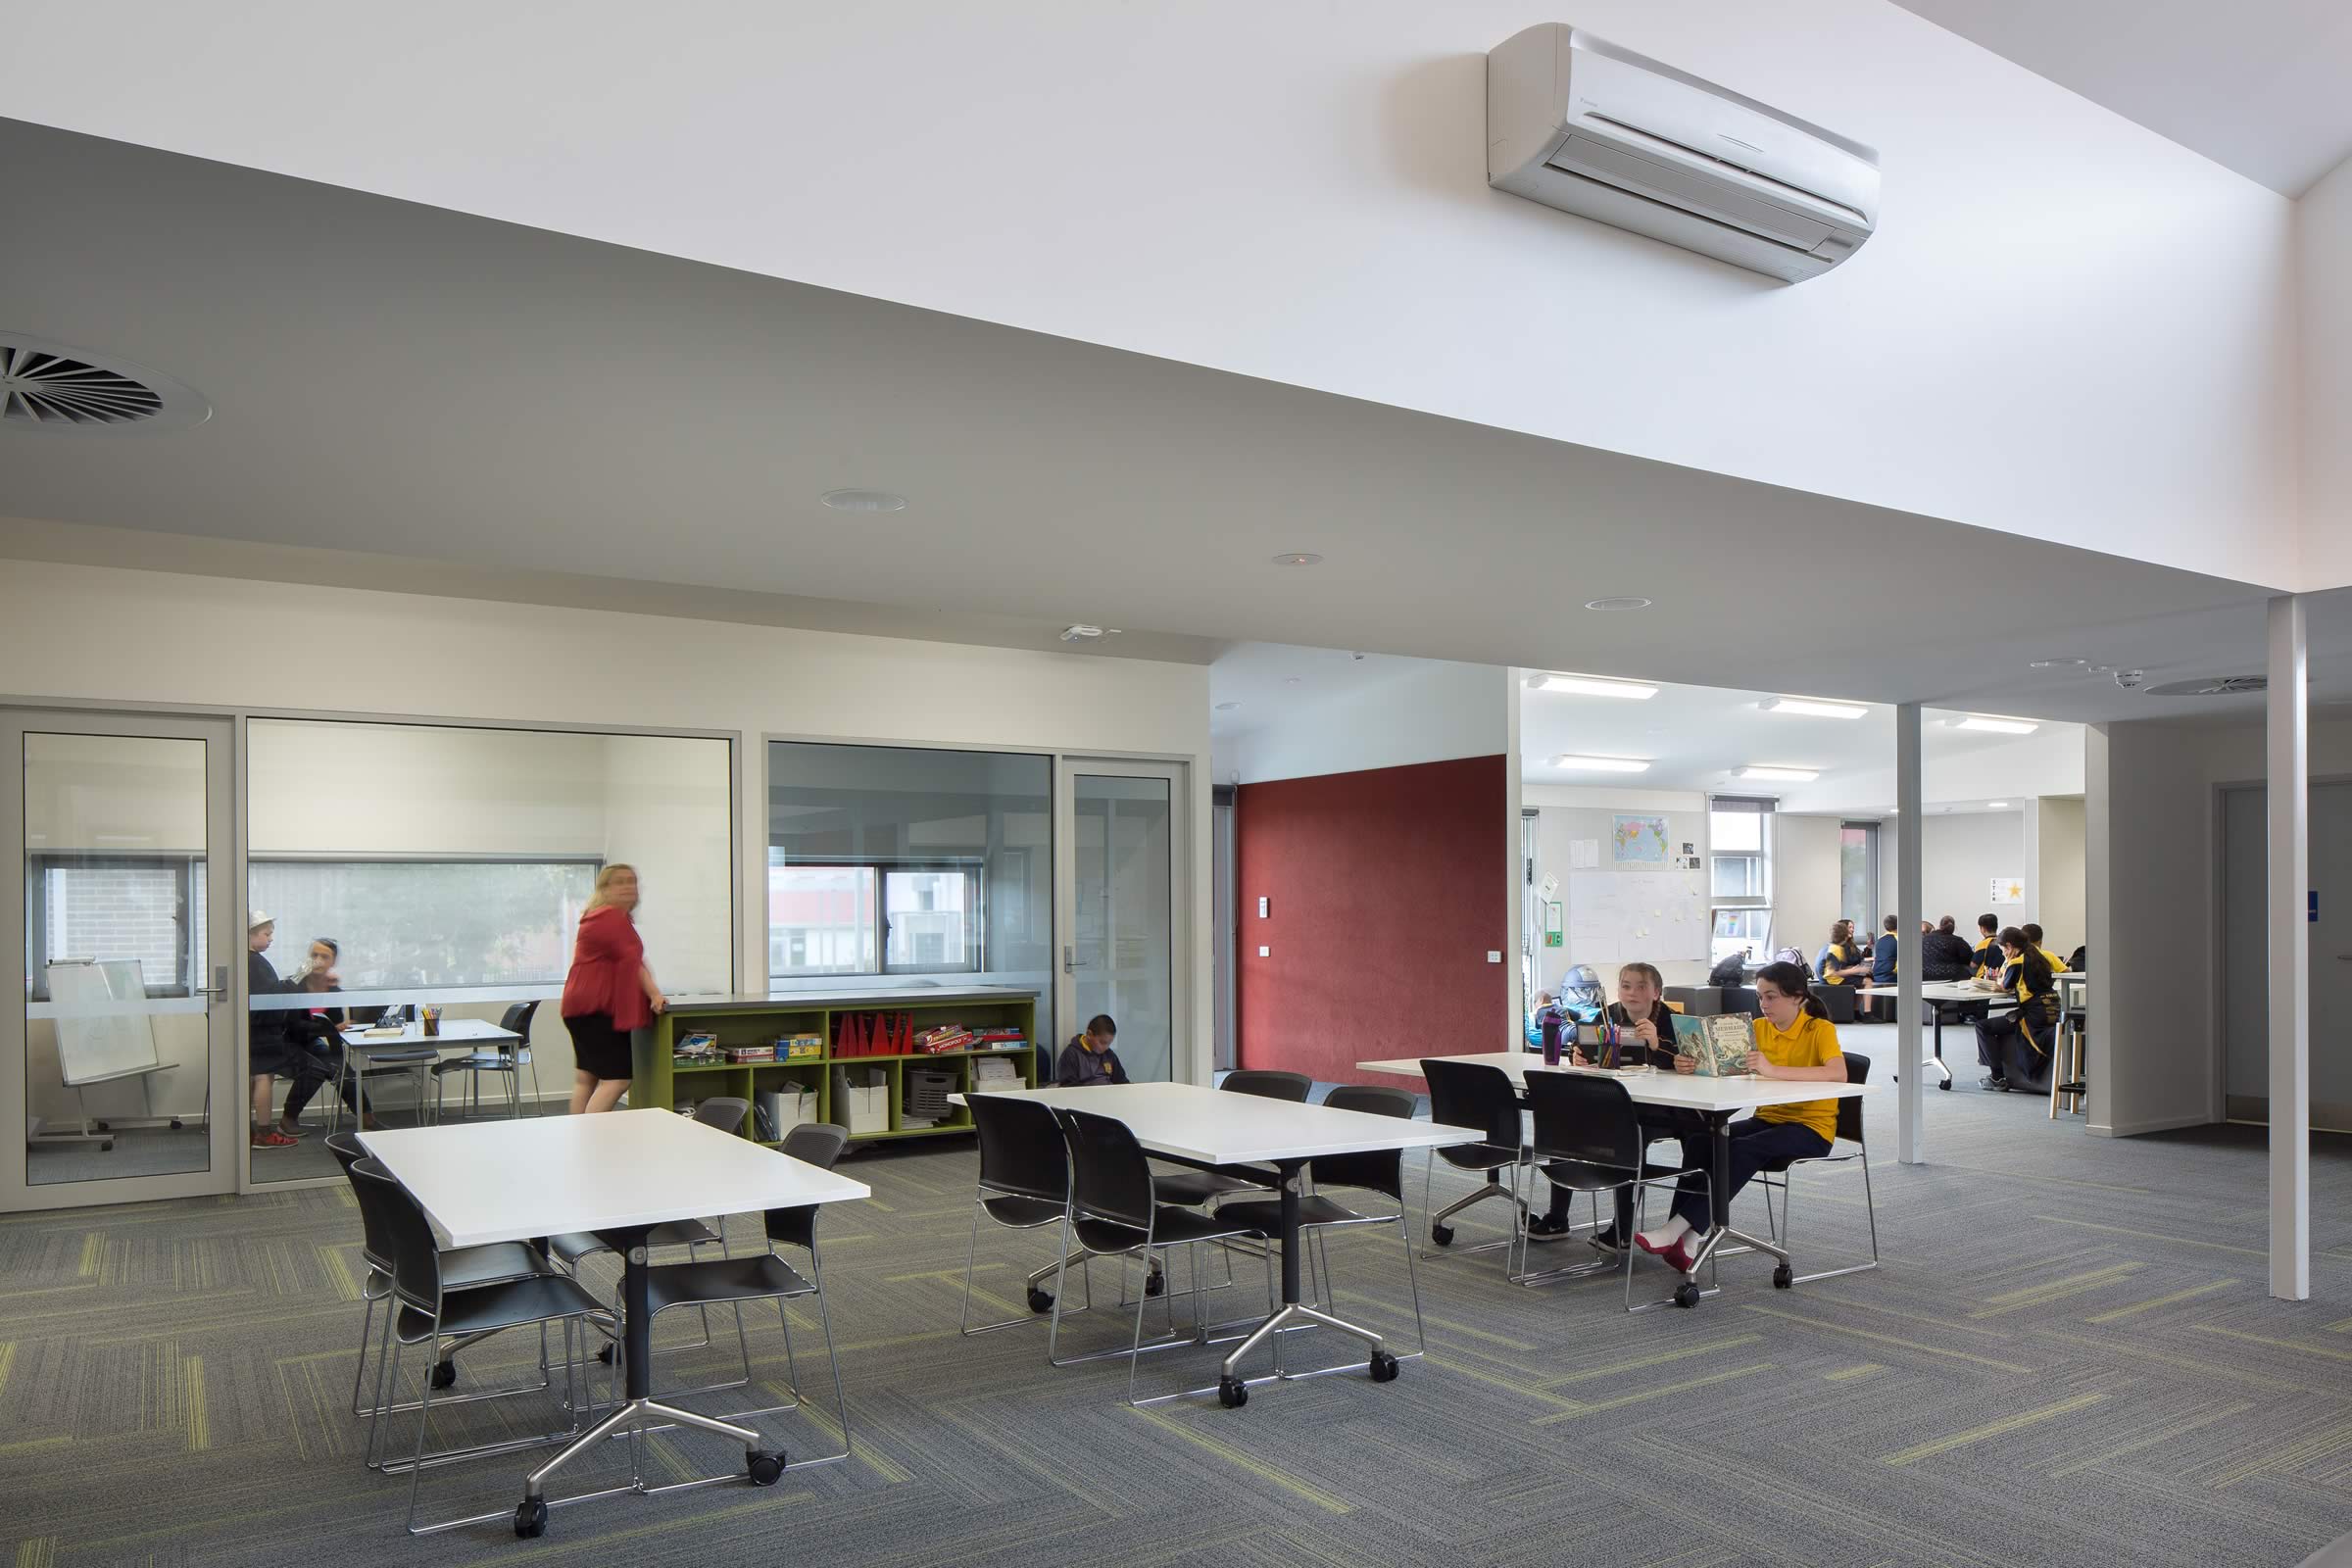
<point x="1617" y="916"/>
<point x="1584" y="854"/>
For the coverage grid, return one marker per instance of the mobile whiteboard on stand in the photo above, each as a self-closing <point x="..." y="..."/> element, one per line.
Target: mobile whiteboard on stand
<point x="104" y="1034"/>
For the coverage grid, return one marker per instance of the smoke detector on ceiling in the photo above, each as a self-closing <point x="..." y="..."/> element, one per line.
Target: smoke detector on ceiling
<point x="61" y="390"/>
<point x="2212" y="686"/>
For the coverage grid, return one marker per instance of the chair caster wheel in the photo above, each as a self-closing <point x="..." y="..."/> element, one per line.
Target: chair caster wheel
<point x="445" y="1374"/>
<point x="1783" y="1278"/>
<point x="767" y="1469"/>
<point x="1384" y="1367"/>
<point x="1232" y="1392"/>
<point x="1153" y="1285"/>
<point x="1687" y="1294"/>
<point x="605" y="1356"/>
<point x="1040" y="1301"/>
<point x="1443" y="1234"/>
<point x="530" y="1518"/>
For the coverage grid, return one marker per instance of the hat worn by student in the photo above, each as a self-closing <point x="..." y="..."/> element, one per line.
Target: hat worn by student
<point x="255" y="919"/>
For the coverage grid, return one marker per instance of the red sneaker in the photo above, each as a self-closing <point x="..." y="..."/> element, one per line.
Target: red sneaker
<point x="274" y="1139"/>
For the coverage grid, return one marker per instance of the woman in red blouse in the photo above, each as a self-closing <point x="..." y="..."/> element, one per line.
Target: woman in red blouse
<point x="608" y="991"/>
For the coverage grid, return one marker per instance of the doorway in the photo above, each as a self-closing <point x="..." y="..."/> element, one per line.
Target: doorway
<point x="119" y="1057"/>
<point x="1124" y="852"/>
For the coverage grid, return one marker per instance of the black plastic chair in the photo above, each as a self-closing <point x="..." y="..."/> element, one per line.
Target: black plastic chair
<point x="764" y="1275"/>
<point x="1473" y="1093"/>
<point x="424" y="1310"/>
<point x="1588" y="1138"/>
<point x="1379" y="1171"/>
<point x="505" y="1057"/>
<point x="1116" y="1213"/>
<point x="1207" y="1186"/>
<point x="461" y="1269"/>
<point x="1024" y="1185"/>
<point x="1775" y="1178"/>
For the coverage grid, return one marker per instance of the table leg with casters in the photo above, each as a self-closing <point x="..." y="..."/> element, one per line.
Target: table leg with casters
<point x="1719" y="1183"/>
<point x="1233" y="1389"/>
<point x="638" y="1406"/>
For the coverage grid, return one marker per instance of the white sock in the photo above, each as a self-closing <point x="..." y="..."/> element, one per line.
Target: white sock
<point x="1666" y="1235"/>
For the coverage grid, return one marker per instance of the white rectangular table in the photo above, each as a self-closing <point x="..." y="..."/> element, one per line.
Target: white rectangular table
<point x="1940" y="993"/>
<point x="1718" y="1099"/>
<point x="1209" y="1127"/>
<point x="456" y="1034"/>
<point x="622" y="1171"/>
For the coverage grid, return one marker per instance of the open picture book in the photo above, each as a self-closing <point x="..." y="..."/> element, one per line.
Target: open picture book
<point x="1721" y="1043"/>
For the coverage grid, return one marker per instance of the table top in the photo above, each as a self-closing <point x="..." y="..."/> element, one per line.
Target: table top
<point x="878" y="999"/>
<point x="1961" y="989"/>
<point x="509" y="1181"/>
<point x="1688" y="1091"/>
<point x="1184" y="1121"/>
<point x="454" y="1032"/>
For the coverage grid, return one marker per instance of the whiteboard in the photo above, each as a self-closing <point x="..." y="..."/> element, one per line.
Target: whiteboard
<point x="103" y="1027"/>
<point x="1619" y="916"/>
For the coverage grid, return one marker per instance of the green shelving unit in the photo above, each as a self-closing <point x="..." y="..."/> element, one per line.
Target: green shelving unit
<point x="746" y="1021"/>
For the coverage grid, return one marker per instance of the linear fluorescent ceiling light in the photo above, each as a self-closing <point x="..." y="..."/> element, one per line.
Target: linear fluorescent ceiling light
<point x="1594" y="686"/>
<point x="1781" y="775"/>
<point x="1995" y="805"/>
<point x="1603" y="765"/>
<point x="1812" y="707"/>
<point x="1999" y="726"/>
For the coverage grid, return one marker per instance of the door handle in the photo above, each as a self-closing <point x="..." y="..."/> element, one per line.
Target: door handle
<point x="219" y="986"/>
<point x="1069" y="959"/>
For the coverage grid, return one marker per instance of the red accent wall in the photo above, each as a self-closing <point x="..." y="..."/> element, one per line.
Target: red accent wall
<point x="1387" y="891"/>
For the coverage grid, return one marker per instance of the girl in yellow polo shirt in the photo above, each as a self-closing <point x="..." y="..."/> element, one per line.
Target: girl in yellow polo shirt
<point x="1794" y="1040"/>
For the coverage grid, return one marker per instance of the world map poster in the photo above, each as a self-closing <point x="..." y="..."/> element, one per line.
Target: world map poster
<point x="1639" y="839"/>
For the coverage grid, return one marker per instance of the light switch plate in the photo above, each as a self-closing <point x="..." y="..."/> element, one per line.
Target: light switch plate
<point x="1494" y="955"/>
<point x="1265" y="952"/>
<point x="1264" y="906"/>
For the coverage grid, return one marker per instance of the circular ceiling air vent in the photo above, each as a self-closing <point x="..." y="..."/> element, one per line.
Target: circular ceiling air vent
<point x="62" y="390"/>
<point x="2212" y="686"/>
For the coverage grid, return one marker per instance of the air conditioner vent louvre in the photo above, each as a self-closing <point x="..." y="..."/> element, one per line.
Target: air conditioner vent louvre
<point x="2212" y="686"/>
<point x="51" y="388"/>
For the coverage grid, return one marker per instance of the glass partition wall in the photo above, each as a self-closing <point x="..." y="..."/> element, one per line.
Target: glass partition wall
<point x="409" y="866"/>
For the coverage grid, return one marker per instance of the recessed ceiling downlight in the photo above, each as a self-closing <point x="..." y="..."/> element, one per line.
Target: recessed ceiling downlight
<point x="863" y="501"/>
<point x="1618" y="602"/>
<point x="1297" y="558"/>
<point x="61" y="390"/>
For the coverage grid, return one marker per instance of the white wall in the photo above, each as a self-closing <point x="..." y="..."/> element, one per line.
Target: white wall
<point x="2058" y="874"/>
<point x="1568" y="812"/>
<point x="2324" y="245"/>
<point x="1158" y="176"/>
<point x="179" y="640"/>
<point x="1430" y="712"/>
<point x="1807" y="885"/>
<point x="2048" y="761"/>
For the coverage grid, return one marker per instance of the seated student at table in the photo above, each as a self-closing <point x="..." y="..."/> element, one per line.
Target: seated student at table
<point x="1882" y="953"/>
<point x="1943" y="953"/>
<point x="2033" y="935"/>
<point x="2013" y="1045"/>
<point x="1087" y="1058"/>
<point x="1988" y="958"/>
<point x="315" y="1034"/>
<point x="1794" y="1041"/>
<point x="1640" y="1010"/>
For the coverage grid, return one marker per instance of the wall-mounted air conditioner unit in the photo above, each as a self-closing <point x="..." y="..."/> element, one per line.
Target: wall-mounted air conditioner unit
<point x="1577" y="123"/>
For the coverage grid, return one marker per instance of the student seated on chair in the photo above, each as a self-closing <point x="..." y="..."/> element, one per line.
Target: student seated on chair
<point x="1794" y="1041"/>
<point x="1087" y="1058"/>
<point x="275" y="1050"/>
<point x="2033" y="935"/>
<point x="1641" y="1009"/>
<point x="1882" y="954"/>
<point x="1841" y="959"/>
<point x="316" y="1035"/>
<point x="2011" y="1045"/>
<point x="1988" y="958"/>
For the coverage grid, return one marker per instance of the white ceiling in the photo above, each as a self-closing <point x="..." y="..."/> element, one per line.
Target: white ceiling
<point x="2260" y="87"/>
<point x="516" y="414"/>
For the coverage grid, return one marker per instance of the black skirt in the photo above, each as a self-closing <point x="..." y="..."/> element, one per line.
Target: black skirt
<point x="598" y="1048"/>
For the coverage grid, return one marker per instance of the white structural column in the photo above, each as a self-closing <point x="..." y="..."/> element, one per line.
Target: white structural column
<point x="2289" y="938"/>
<point x="1516" y="996"/>
<point x="1909" y="1045"/>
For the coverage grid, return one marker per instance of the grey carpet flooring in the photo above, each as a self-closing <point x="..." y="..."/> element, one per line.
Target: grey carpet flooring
<point x="2069" y="1357"/>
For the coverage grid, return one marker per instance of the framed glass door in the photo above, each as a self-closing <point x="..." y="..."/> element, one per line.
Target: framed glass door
<point x="119" y="1052"/>
<point x="1125" y="847"/>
